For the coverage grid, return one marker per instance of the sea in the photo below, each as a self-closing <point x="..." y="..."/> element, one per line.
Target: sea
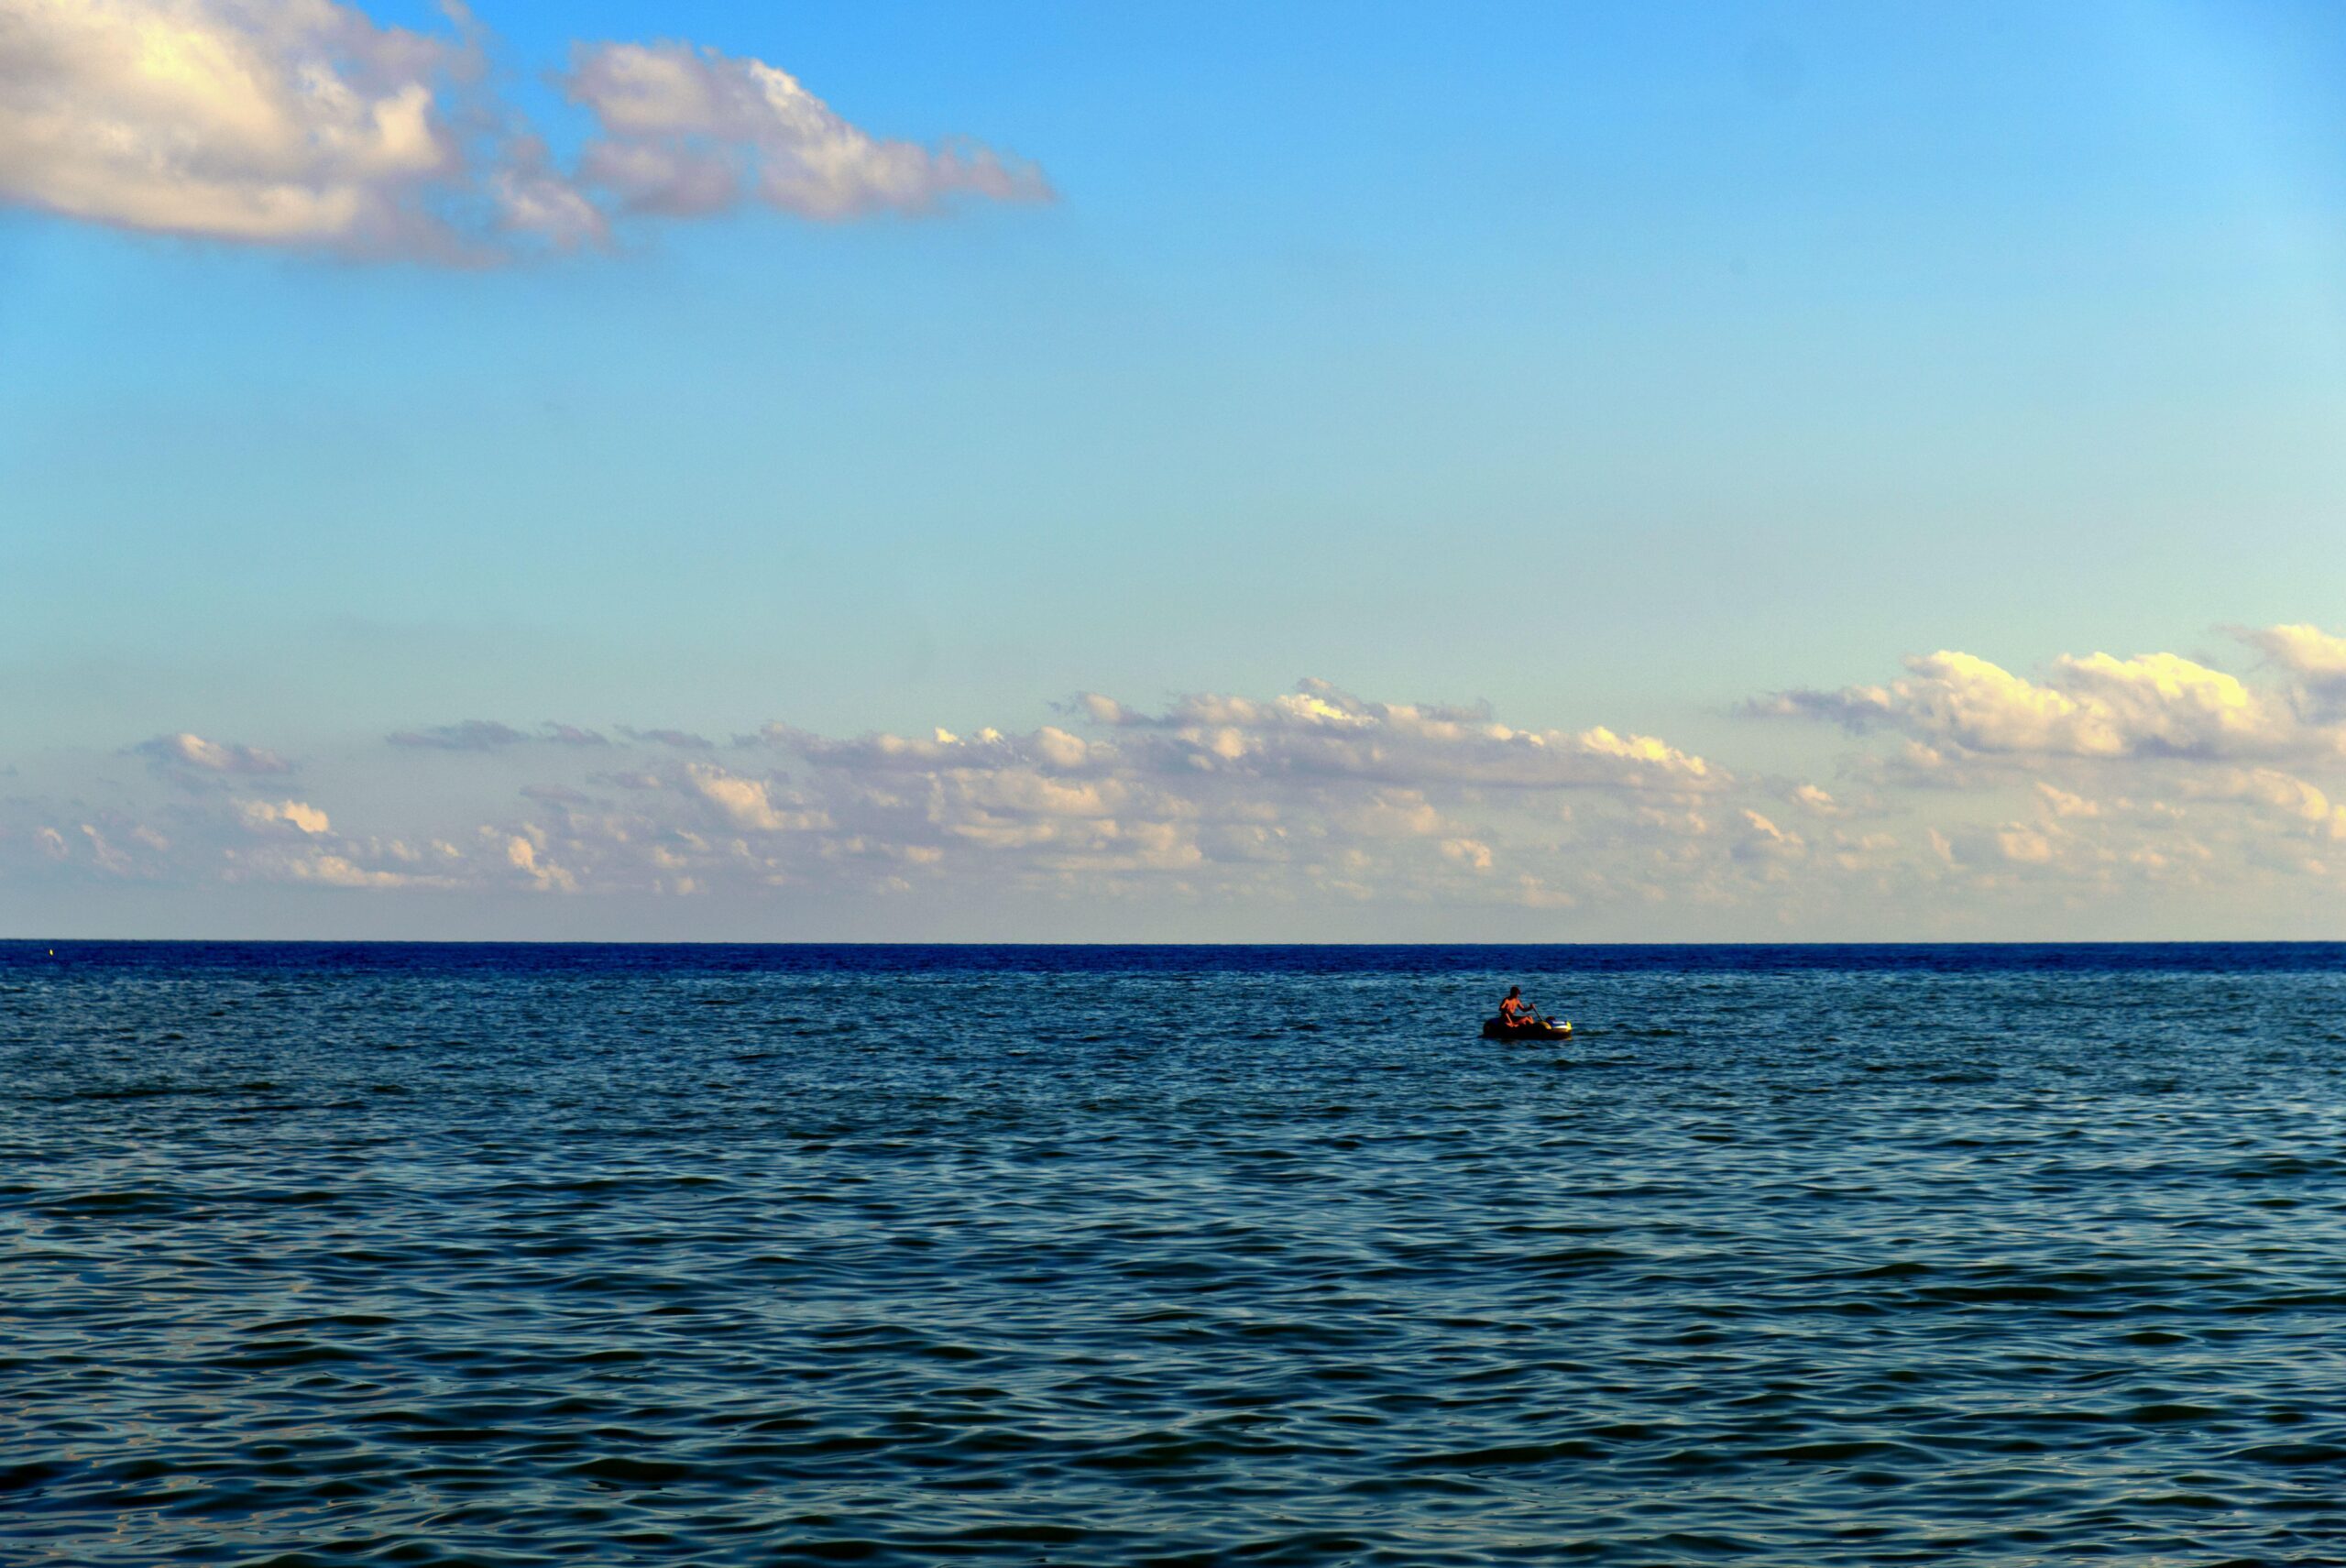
<point x="536" y="1254"/>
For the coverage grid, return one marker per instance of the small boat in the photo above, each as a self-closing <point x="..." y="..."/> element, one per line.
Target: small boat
<point x="1541" y="1029"/>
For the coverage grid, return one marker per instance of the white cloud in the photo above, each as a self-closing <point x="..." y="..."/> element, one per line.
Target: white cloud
<point x="535" y="198"/>
<point x="292" y="814"/>
<point x="1317" y="784"/>
<point x="2154" y="769"/>
<point x="335" y="871"/>
<point x="1322" y="731"/>
<point x="2315" y="660"/>
<point x="1473" y="853"/>
<point x="2152" y="705"/>
<point x="2307" y="649"/>
<point x="187" y="752"/>
<point x="1061" y="749"/>
<point x="111" y="860"/>
<point x="1315" y="788"/>
<point x="303" y="124"/>
<point x="2063" y="803"/>
<point x="2027" y="845"/>
<point x="689" y="131"/>
<point x="521" y="854"/>
<point x="1393" y="814"/>
<point x="1026" y="792"/>
<point x="746" y="802"/>
<point x="282" y="122"/>
<point x="2278" y="794"/>
<point x="2104" y="780"/>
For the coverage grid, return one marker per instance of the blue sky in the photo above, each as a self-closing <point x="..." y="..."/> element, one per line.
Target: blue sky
<point x="1604" y="366"/>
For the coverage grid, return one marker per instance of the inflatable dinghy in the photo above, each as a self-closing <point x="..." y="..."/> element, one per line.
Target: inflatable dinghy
<point x="1497" y="1029"/>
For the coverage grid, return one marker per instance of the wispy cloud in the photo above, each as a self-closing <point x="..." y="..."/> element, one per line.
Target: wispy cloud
<point x="471" y="735"/>
<point x="680" y="740"/>
<point x="689" y="131"/>
<point x="190" y="753"/>
<point x="488" y="735"/>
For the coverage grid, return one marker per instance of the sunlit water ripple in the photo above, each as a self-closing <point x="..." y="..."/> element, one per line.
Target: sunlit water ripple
<point x="1130" y="1257"/>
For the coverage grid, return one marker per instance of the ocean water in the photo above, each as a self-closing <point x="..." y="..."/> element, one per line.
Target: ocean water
<point x="775" y="1255"/>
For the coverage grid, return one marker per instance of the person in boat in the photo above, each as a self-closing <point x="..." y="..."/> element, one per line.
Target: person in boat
<point x="1515" y="1013"/>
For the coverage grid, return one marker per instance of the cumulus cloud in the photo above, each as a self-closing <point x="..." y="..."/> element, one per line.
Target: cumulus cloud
<point x="1316" y="784"/>
<point x="2151" y="705"/>
<point x="328" y="870"/>
<point x="746" y="802"/>
<point x="2281" y="795"/>
<point x="522" y="853"/>
<point x="1471" y="852"/>
<point x="1316" y="791"/>
<point x="279" y="121"/>
<point x="2314" y="658"/>
<point x="689" y="131"/>
<point x="1318" y="731"/>
<point x="2105" y="774"/>
<point x="2306" y="650"/>
<point x="293" y="814"/>
<point x="2098" y="779"/>
<point x="2066" y="802"/>
<point x="303" y="124"/>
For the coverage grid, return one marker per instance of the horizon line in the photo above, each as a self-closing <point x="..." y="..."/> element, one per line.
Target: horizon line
<point x="968" y="942"/>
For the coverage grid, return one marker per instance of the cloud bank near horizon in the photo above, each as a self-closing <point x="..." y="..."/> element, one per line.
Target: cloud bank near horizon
<point x="1959" y="787"/>
<point x="304" y="124"/>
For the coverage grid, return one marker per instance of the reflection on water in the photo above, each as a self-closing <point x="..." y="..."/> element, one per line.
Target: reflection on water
<point x="904" y="1256"/>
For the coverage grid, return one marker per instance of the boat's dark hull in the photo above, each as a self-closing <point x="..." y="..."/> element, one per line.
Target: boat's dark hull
<point x="1495" y="1030"/>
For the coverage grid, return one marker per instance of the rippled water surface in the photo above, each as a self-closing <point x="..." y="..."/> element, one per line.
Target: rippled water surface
<point x="1126" y="1256"/>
